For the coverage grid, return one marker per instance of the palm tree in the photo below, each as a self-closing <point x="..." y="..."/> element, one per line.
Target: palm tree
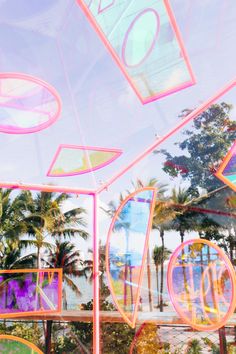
<point x="157" y="256"/>
<point x="182" y="221"/>
<point x="66" y="256"/>
<point x="44" y="218"/>
<point x="194" y="347"/>
<point x="163" y="216"/>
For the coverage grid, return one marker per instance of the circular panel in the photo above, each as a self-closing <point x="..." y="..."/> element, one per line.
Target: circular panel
<point x="140" y="38"/>
<point x="11" y="344"/>
<point x="201" y="284"/>
<point x="27" y="104"/>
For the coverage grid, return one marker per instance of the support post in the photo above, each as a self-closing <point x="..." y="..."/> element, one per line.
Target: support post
<point x="222" y="338"/>
<point x="96" y="322"/>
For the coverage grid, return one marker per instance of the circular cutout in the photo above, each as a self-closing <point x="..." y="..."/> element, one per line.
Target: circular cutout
<point x="140" y="38"/>
<point x="201" y="283"/>
<point x="27" y="104"/>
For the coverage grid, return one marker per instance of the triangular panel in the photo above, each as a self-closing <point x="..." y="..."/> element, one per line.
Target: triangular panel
<point x="227" y="170"/>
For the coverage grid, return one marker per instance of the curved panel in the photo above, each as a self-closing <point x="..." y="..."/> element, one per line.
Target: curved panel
<point x="30" y="291"/>
<point x="201" y="283"/>
<point x="12" y="344"/>
<point x="126" y="251"/>
<point x="72" y="160"/>
<point x="227" y="171"/>
<point x="27" y="104"/>
<point x="146" y="340"/>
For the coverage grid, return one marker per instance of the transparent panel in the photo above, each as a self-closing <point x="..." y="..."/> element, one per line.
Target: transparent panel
<point x="74" y="160"/>
<point x="27" y="104"/>
<point x="127" y="250"/>
<point x="227" y="170"/>
<point x="28" y="292"/>
<point x="144" y="40"/>
<point x="202" y="284"/>
<point x="11" y="344"/>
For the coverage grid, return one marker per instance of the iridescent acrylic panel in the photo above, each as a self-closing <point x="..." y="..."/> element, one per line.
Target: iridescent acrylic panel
<point x="15" y="345"/>
<point x="71" y="160"/>
<point x="27" y="292"/>
<point x="27" y="104"/>
<point x="144" y="39"/>
<point x="227" y="170"/>
<point x="202" y="285"/>
<point x="127" y="249"/>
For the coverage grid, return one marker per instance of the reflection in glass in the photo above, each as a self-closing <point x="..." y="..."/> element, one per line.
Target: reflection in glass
<point x="126" y="251"/>
<point x="201" y="284"/>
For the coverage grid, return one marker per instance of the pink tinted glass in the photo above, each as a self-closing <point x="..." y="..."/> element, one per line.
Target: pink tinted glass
<point x="127" y="249"/>
<point x="71" y="160"/>
<point x="27" y="104"/>
<point x="201" y="283"/>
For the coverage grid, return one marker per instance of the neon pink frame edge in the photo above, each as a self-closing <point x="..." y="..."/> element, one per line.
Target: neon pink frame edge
<point x="118" y="152"/>
<point x="231" y="271"/>
<point x="48" y="87"/>
<point x="117" y="59"/>
<point x="144" y="256"/>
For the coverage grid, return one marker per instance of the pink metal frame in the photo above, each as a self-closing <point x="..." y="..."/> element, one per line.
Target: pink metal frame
<point x="229" y="267"/>
<point x="85" y="8"/>
<point x="220" y="171"/>
<point x="95" y="194"/>
<point x="129" y="197"/>
<point x="39" y="82"/>
<point x="117" y="152"/>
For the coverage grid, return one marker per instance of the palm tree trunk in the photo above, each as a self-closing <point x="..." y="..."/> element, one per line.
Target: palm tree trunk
<point x="149" y="281"/>
<point x="48" y="337"/>
<point x="157" y="276"/>
<point x="162" y="270"/>
<point x="181" y="236"/>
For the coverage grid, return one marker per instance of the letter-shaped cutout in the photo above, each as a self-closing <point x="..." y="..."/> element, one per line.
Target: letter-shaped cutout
<point x="26" y="292"/>
<point x="144" y="40"/>
<point x="126" y="251"/>
<point x="202" y="284"/>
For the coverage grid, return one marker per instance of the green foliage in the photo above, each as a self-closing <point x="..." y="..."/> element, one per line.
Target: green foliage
<point x="204" y="147"/>
<point x="31" y="332"/>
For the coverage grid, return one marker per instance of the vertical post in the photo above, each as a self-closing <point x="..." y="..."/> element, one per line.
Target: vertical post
<point x="222" y="338"/>
<point x="96" y="324"/>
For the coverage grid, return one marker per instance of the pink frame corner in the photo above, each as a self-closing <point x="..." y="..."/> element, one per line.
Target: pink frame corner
<point x="231" y="271"/>
<point x="41" y="83"/>
<point x="117" y="59"/>
<point x="219" y="173"/>
<point x="76" y="147"/>
<point x="135" y="312"/>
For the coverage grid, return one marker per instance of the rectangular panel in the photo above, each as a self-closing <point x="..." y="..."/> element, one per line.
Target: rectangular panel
<point x="143" y="38"/>
<point x="30" y="291"/>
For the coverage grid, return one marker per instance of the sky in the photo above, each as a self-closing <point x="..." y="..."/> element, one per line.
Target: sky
<point x="52" y="40"/>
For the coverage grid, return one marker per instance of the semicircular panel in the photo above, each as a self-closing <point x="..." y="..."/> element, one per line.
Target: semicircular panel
<point x="201" y="283"/>
<point x="72" y="160"/>
<point x="14" y="345"/>
<point x="227" y="170"/>
<point x="126" y="251"/>
<point x="27" y="104"/>
<point x="146" y="340"/>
